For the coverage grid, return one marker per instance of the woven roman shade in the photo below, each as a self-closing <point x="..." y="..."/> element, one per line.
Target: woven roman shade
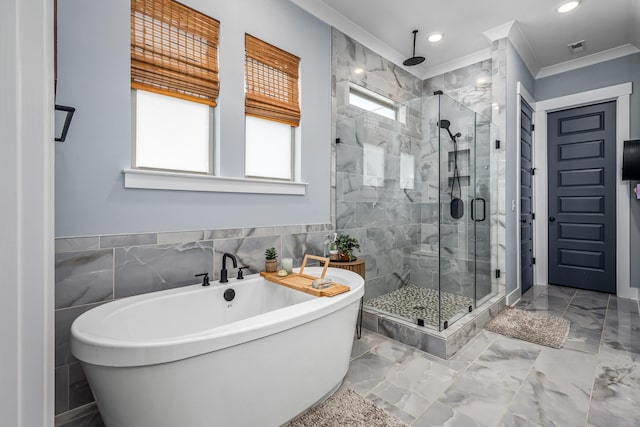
<point x="271" y="82"/>
<point x="174" y="51"/>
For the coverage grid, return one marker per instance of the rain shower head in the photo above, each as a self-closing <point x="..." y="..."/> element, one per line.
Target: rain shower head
<point x="414" y="60"/>
<point x="446" y="124"/>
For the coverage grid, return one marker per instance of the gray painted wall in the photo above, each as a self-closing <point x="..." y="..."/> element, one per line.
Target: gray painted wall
<point x="516" y="72"/>
<point x="621" y="70"/>
<point x="93" y="73"/>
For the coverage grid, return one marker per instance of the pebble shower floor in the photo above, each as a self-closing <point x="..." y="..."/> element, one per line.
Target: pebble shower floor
<point x="414" y="302"/>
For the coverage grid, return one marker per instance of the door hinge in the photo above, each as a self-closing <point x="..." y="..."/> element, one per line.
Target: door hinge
<point x="533" y="216"/>
<point x="338" y="141"/>
<point x="498" y="273"/>
<point x="532" y="171"/>
<point x="497" y="143"/>
<point x="533" y="127"/>
<point x="533" y="260"/>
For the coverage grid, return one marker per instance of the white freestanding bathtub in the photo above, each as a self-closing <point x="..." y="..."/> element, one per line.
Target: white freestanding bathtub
<point x="186" y="357"/>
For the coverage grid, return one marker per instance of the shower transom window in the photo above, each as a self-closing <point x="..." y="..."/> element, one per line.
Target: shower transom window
<point x="375" y="103"/>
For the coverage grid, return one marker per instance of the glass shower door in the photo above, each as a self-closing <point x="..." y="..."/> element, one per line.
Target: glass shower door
<point x="460" y="208"/>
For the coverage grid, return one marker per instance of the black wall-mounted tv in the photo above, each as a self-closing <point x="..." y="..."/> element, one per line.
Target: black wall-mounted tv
<point x="631" y="160"/>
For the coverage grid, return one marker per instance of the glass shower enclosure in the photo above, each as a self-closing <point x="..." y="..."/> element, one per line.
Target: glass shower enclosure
<point x="420" y="193"/>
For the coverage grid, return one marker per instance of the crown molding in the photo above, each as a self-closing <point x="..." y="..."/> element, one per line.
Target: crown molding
<point x="499" y="32"/>
<point x="511" y="31"/>
<point x="524" y="49"/>
<point x="329" y="15"/>
<point x="585" y="61"/>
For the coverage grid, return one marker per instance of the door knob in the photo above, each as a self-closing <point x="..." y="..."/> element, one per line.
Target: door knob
<point x="552" y="218"/>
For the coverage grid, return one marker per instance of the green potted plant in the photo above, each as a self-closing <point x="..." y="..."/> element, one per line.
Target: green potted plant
<point x="270" y="260"/>
<point x="345" y="245"/>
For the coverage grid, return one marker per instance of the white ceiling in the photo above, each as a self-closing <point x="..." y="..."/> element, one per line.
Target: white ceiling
<point x="610" y="28"/>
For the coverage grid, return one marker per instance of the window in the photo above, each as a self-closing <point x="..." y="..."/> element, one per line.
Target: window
<point x="269" y="149"/>
<point x="272" y="110"/>
<point x="174" y="84"/>
<point x="368" y="100"/>
<point x="172" y="133"/>
<point x="174" y="78"/>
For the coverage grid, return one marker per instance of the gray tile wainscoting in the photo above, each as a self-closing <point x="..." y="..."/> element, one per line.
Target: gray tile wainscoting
<point x="92" y="270"/>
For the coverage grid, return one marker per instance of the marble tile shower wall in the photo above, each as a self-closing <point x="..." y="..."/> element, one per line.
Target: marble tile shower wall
<point x="398" y="227"/>
<point x="97" y="269"/>
<point x="498" y="157"/>
<point x="385" y="218"/>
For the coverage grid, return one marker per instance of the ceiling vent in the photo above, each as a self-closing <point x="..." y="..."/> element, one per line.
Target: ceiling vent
<point x="576" y="47"/>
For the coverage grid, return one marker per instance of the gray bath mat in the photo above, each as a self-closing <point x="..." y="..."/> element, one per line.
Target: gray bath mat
<point x="536" y="328"/>
<point x="346" y="408"/>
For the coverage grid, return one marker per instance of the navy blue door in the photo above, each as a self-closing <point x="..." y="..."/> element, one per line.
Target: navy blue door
<point x="526" y="198"/>
<point x="582" y="197"/>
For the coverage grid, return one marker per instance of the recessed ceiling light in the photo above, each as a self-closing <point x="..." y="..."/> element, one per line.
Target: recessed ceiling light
<point x="358" y="70"/>
<point x="567" y="7"/>
<point x="435" y="37"/>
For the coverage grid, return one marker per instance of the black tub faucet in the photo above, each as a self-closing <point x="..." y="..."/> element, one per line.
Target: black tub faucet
<point x="223" y="272"/>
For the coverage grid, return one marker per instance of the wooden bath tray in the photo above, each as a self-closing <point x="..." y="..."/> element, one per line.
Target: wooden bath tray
<point x="304" y="283"/>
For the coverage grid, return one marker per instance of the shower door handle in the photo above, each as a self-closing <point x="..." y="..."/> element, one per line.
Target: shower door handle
<point x="473" y="209"/>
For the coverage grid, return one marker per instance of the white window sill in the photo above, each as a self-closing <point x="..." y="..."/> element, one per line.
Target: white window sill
<point x="181" y="181"/>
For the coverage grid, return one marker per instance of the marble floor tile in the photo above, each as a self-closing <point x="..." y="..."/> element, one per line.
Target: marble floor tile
<point x="477" y="345"/>
<point x="481" y="393"/>
<point x="560" y="291"/>
<point x="367" y="371"/>
<point x="367" y="341"/>
<point x="440" y="415"/>
<point x="585" y="318"/>
<point x="403" y="399"/>
<point x="622" y="331"/>
<point x="424" y="377"/>
<point x="535" y="291"/>
<point x="601" y="296"/>
<point x="616" y="390"/>
<point x="522" y="303"/>
<point x="547" y="304"/>
<point x="557" y="390"/>
<point x="513" y="357"/>
<point x="495" y="381"/>
<point x="623" y="305"/>
<point x="392" y="409"/>
<point x="590" y="301"/>
<point x="513" y="420"/>
<point x="583" y="339"/>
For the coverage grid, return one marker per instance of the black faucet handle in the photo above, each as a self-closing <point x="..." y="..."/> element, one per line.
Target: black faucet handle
<point x="240" y="273"/>
<point x="205" y="278"/>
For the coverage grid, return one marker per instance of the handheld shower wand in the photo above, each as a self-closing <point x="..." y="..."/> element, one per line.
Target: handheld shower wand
<point x="457" y="205"/>
<point x="446" y="124"/>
